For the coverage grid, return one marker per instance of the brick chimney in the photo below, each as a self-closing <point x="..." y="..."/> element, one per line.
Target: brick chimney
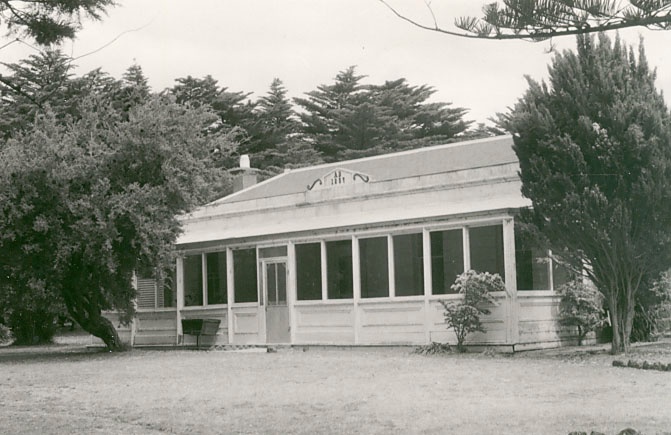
<point x="244" y="176"/>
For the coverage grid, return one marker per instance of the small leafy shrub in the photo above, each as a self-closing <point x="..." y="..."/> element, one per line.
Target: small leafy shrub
<point x="652" y="316"/>
<point x="464" y="316"/>
<point x="581" y="306"/>
<point x="5" y="334"/>
<point x="433" y="349"/>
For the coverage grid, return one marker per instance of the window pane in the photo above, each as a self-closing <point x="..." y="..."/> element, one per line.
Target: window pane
<point x="244" y="275"/>
<point x="216" y="278"/>
<point x="309" y="271"/>
<point x="532" y="269"/>
<point x="447" y="259"/>
<point x="531" y="263"/>
<point x="281" y="283"/>
<point x="169" y="286"/>
<point x="486" y="245"/>
<point x="339" y="269"/>
<point x="275" y="251"/>
<point x="374" y="267"/>
<point x="408" y="265"/>
<point x="271" y="284"/>
<point x="193" y="280"/>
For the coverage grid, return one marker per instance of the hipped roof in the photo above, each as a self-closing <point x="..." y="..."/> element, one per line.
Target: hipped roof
<point x="406" y="164"/>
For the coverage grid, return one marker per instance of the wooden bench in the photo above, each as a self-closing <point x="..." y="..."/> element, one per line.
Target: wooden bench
<point x="200" y="327"/>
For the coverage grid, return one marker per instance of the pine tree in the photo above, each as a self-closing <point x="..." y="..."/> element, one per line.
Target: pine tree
<point x="349" y="119"/>
<point x="40" y="81"/>
<point x="234" y="110"/>
<point x="278" y="143"/>
<point x="325" y="109"/>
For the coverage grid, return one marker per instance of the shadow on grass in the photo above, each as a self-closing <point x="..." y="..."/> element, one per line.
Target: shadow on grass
<point x="51" y="353"/>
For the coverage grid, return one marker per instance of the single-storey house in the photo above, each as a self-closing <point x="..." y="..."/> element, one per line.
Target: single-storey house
<point x="359" y="252"/>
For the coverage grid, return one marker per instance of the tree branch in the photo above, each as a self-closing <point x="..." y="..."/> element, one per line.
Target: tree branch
<point x="546" y="25"/>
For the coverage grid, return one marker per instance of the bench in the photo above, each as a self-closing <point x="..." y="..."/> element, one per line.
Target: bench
<point x="200" y="327"/>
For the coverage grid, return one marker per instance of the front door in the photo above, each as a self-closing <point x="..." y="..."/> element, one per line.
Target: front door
<point x="277" y="311"/>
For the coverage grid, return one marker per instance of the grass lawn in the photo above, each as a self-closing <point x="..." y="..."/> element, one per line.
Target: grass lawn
<point x="65" y="389"/>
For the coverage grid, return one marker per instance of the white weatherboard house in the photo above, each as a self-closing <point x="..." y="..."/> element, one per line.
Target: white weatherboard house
<point x="360" y="253"/>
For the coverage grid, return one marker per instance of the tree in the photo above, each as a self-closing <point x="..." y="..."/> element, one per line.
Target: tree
<point x="594" y="147"/>
<point x="543" y="19"/>
<point x="88" y="201"/>
<point x="49" y="21"/>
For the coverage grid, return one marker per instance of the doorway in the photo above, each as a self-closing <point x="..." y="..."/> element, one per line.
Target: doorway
<point x="277" y="310"/>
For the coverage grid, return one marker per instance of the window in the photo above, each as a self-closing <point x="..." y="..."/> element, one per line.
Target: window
<point x="309" y="271"/>
<point x="534" y="264"/>
<point x="447" y="259"/>
<point x="339" y="269"/>
<point x="486" y="245"/>
<point x="560" y="274"/>
<point x="531" y="262"/>
<point x="408" y="265"/>
<point x="532" y="269"/>
<point x="374" y="267"/>
<point x="156" y="289"/>
<point x="244" y="275"/>
<point x="193" y="280"/>
<point x="216" y="278"/>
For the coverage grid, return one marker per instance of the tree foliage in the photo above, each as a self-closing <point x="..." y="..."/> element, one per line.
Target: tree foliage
<point x="463" y="316"/>
<point x="349" y="119"/>
<point x="34" y="83"/>
<point x="89" y="201"/>
<point x="49" y="21"/>
<point x="594" y="147"/>
<point x="542" y="19"/>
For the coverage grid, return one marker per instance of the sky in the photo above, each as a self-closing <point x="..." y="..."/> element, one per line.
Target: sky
<point x="244" y="44"/>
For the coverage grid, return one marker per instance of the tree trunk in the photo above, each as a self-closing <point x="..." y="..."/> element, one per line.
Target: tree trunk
<point x="616" y="343"/>
<point x="85" y="310"/>
<point x="99" y="326"/>
<point x="627" y="325"/>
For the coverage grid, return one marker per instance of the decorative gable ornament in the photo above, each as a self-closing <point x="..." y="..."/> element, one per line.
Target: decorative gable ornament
<point x="338" y="177"/>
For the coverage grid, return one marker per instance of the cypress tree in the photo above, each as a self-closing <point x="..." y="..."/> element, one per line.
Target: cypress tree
<point x="594" y="146"/>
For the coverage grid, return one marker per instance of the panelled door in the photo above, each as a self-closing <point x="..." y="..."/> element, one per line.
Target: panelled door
<point x="277" y="310"/>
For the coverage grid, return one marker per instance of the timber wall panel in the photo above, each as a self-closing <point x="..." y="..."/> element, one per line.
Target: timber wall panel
<point x="494" y="323"/>
<point x="155" y="328"/>
<point x="324" y="323"/>
<point x="538" y="316"/>
<point x="247" y="325"/>
<point x="391" y="322"/>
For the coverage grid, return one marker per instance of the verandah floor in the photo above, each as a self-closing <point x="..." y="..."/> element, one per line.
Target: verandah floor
<point x="66" y="389"/>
